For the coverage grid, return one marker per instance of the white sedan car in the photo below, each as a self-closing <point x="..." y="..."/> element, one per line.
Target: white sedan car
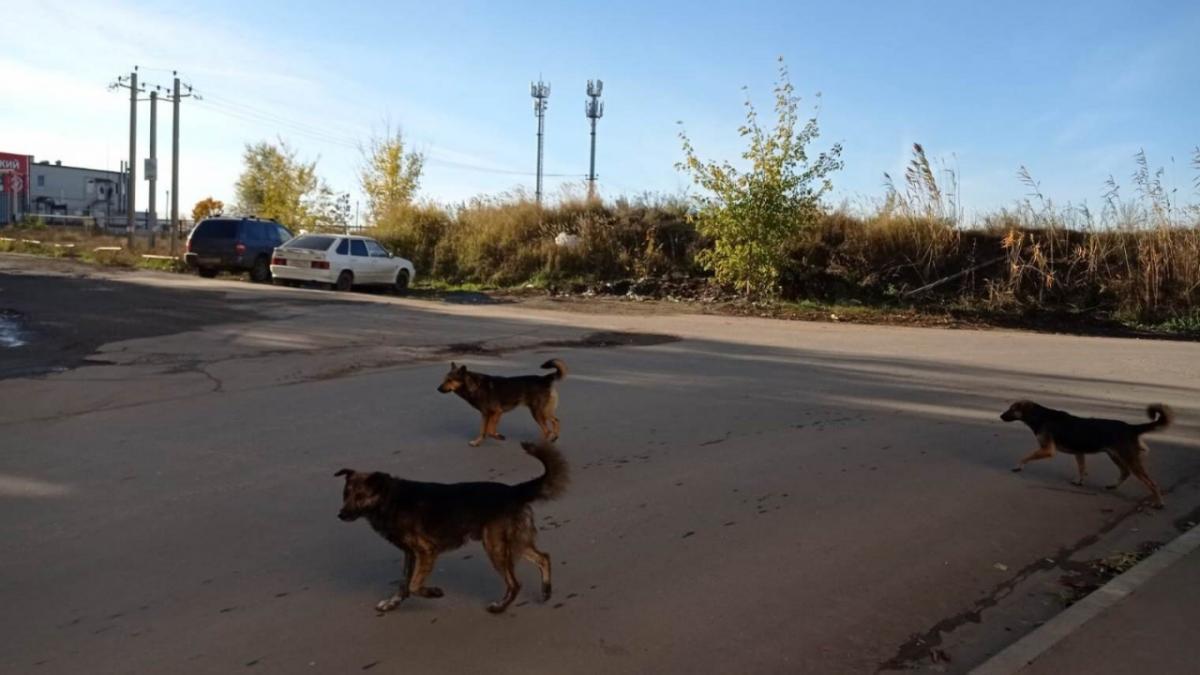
<point x="341" y="261"/>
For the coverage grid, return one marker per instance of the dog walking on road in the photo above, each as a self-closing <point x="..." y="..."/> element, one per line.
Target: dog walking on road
<point x="493" y="396"/>
<point x="1079" y="436"/>
<point x="428" y="519"/>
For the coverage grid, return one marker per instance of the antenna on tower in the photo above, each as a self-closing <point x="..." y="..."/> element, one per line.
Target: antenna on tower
<point x="540" y="91"/>
<point x="594" y="109"/>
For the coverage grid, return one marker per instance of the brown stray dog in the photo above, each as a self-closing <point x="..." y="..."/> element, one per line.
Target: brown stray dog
<point x="493" y="396"/>
<point x="1079" y="436"/>
<point x="427" y="519"/>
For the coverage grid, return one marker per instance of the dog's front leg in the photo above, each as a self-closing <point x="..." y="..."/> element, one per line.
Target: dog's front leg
<point x="416" y="584"/>
<point x="1044" y="451"/>
<point x="483" y="431"/>
<point x="492" y="430"/>
<point x="1081" y="463"/>
<point x="402" y="592"/>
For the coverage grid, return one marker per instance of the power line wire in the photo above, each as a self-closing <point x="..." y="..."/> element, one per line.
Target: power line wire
<point x="320" y="129"/>
<point x="260" y="119"/>
<point x="254" y="115"/>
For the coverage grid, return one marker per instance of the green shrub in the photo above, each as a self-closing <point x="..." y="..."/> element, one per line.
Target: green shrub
<point x="752" y="214"/>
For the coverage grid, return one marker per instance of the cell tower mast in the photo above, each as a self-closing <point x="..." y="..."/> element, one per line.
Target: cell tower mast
<point x="594" y="109"/>
<point x="540" y="91"/>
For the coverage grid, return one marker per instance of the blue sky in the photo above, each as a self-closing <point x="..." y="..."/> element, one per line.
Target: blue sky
<point x="1070" y="90"/>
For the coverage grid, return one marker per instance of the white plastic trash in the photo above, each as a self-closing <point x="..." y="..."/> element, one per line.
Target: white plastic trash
<point x="566" y="240"/>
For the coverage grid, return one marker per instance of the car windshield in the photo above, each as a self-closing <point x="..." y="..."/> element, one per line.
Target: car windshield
<point x="313" y="242"/>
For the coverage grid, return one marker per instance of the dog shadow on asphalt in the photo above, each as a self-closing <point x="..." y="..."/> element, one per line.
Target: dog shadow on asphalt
<point x="465" y="574"/>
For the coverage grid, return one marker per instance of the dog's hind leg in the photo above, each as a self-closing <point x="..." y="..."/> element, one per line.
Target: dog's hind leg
<point x="1081" y="463"/>
<point x="498" y="546"/>
<point x="551" y="414"/>
<point x="1139" y="471"/>
<point x="1120" y="465"/>
<point x="542" y="560"/>
<point x="539" y="416"/>
<point x="401" y="593"/>
<point x="526" y="536"/>
<point x="416" y="585"/>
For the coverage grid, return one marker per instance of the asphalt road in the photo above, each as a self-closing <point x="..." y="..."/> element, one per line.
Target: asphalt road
<point x="748" y="495"/>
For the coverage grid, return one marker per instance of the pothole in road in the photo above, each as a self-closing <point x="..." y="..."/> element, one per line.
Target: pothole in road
<point x="600" y="339"/>
<point x="475" y="348"/>
<point x="617" y="339"/>
<point x="11" y="333"/>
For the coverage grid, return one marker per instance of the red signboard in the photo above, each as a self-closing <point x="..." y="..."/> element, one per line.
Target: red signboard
<point x="14" y="173"/>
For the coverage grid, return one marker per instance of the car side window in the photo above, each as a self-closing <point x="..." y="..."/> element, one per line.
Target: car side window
<point x="358" y="248"/>
<point x="376" y="250"/>
<point x="282" y="233"/>
<point x="343" y="246"/>
<point x="256" y="231"/>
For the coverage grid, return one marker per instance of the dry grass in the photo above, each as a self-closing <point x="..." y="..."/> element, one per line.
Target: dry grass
<point x="508" y="240"/>
<point x="1136" y="260"/>
<point x="81" y="244"/>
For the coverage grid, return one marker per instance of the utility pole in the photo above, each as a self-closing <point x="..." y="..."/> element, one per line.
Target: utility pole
<point x="131" y="209"/>
<point x="176" y="97"/>
<point x="594" y="109"/>
<point x="131" y="83"/>
<point x="541" y="95"/>
<point x="174" y="164"/>
<point x="152" y="168"/>
<point x="120" y="187"/>
<point x="131" y="183"/>
<point x="342" y="209"/>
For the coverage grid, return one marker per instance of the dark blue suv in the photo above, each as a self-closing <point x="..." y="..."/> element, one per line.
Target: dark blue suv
<point x="224" y="244"/>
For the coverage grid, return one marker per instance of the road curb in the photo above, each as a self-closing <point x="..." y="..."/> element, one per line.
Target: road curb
<point x="1024" y="651"/>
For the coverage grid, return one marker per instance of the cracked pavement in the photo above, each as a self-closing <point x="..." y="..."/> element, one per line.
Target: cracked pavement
<point x="755" y="496"/>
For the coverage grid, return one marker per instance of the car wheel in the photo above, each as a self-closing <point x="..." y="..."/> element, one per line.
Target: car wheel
<point x="345" y="281"/>
<point x="261" y="272"/>
<point x="401" y="285"/>
<point x="207" y="272"/>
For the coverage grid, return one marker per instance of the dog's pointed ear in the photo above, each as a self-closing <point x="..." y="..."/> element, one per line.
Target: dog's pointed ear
<point x="462" y="369"/>
<point x="378" y="481"/>
<point x="343" y="472"/>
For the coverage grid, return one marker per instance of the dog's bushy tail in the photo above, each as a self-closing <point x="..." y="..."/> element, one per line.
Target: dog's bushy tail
<point x="1162" y="416"/>
<point x="560" y="368"/>
<point x="555" y="475"/>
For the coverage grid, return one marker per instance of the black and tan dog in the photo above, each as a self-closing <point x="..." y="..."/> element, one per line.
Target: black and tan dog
<point x="427" y="519"/>
<point x="493" y="396"/>
<point x="1079" y="436"/>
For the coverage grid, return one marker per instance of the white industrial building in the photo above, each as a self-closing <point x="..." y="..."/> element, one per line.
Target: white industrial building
<point x="70" y="195"/>
<point x="55" y="189"/>
<point x="61" y="194"/>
